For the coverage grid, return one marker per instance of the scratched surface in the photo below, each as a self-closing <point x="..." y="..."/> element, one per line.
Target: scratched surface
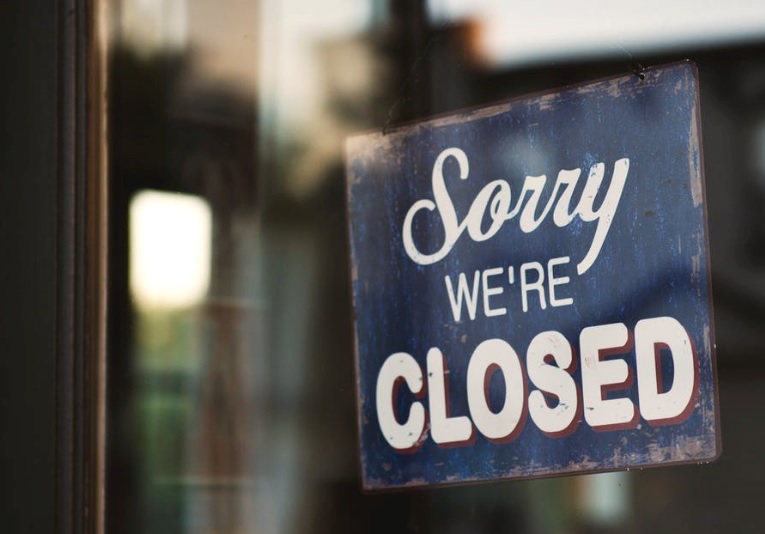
<point x="654" y="262"/>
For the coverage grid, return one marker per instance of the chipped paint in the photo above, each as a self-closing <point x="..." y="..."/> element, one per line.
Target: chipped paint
<point x="697" y="188"/>
<point x="546" y="102"/>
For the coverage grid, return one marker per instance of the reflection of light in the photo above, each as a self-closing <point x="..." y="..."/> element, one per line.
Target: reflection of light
<point x="153" y="25"/>
<point x="517" y="32"/>
<point x="606" y="498"/>
<point x="291" y="29"/>
<point x="169" y="249"/>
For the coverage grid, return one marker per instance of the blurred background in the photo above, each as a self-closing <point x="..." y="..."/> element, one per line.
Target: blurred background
<point x="231" y="400"/>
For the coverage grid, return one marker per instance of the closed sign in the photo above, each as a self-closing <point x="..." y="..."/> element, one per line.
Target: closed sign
<point x="531" y="287"/>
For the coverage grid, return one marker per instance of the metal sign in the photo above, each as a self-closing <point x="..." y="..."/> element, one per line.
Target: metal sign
<point x="531" y="287"/>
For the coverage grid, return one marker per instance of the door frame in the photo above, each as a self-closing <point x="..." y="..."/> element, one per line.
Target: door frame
<point x="53" y="186"/>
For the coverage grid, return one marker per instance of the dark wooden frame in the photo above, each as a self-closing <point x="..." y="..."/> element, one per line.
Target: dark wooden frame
<point x="53" y="272"/>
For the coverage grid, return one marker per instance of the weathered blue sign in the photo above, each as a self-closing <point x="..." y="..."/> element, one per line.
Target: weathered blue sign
<point x="531" y="287"/>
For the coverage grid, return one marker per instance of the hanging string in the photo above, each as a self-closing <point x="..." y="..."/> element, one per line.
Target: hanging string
<point x="634" y="65"/>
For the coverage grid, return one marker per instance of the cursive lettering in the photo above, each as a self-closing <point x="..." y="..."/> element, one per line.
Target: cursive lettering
<point x="495" y="198"/>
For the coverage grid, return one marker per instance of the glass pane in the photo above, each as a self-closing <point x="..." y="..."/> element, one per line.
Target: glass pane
<point x="232" y="397"/>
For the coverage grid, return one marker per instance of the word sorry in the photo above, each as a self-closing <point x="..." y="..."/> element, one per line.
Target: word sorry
<point x="556" y="401"/>
<point x="495" y="197"/>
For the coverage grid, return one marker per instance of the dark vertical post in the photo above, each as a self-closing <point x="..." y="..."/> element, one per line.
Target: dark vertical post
<point x="412" y="43"/>
<point x="49" y="327"/>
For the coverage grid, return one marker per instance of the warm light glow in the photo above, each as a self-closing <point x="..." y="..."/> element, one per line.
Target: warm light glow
<point x="170" y="236"/>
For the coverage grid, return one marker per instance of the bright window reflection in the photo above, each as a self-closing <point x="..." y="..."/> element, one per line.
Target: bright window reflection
<point x="169" y="249"/>
<point x="525" y="32"/>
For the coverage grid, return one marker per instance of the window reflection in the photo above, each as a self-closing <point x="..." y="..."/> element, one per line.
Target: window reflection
<point x="529" y="32"/>
<point x="170" y="250"/>
<point x="231" y="387"/>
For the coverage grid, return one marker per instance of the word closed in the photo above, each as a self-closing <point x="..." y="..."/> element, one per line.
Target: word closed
<point x="544" y="388"/>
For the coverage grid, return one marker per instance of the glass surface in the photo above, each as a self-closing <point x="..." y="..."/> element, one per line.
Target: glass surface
<point x="232" y="401"/>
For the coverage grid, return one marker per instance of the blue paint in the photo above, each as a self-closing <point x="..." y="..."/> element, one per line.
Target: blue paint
<point x="653" y="263"/>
